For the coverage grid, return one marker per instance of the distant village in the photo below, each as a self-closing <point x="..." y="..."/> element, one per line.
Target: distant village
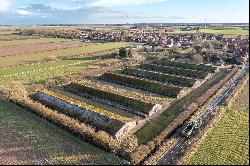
<point x="227" y="48"/>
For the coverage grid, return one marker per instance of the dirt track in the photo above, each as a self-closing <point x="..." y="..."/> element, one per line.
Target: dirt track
<point x="14" y="151"/>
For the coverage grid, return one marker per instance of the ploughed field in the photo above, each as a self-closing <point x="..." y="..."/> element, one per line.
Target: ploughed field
<point x="28" y="49"/>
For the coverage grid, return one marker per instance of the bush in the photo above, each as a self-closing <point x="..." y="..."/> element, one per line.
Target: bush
<point x="123" y="52"/>
<point x="14" y="90"/>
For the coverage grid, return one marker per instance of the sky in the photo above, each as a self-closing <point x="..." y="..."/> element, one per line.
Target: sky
<point x="123" y="11"/>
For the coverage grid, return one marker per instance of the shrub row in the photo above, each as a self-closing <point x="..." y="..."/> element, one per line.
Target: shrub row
<point x="153" y="87"/>
<point x="181" y="65"/>
<point x="174" y="71"/>
<point x="138" y="107"/>
<point x="179" y="81"/>
<point x="101" y="122"/>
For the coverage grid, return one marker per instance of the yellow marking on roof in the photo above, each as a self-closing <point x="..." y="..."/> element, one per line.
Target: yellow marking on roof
<point x="91" y="107"/>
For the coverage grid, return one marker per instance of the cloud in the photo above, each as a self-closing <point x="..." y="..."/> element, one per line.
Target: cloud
<point x="83" y="4"/>
<point x="23" y="12"/>
<point x="119" y="3"/>
<point x="5" y="4"/>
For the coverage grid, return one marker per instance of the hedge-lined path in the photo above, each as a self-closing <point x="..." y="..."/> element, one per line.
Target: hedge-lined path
<point x="14" y="151"/>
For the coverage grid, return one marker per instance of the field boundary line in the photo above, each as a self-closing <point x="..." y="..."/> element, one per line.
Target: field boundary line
<point x="47" y="68"/>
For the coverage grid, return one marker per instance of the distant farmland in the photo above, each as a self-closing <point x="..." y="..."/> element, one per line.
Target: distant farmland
<point x="224" y="31"/>
<point x="43" y="56"/>
<point x="31" y="41"/>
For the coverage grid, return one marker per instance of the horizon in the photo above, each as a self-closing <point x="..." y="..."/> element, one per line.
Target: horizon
<point x="94" y="12"/>
<point x="75" y="24"/>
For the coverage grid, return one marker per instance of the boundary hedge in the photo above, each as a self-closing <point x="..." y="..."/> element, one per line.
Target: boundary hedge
<point x="174" y="71"/>
<point x="179" y="81"/>
<point x="146" y="85"/>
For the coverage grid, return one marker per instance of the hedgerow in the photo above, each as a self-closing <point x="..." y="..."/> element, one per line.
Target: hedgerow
<point x="154" y="87"/>
<point x="179" y="81"/>
<point x="137" y="106"/>
<point x="174" y="71"/>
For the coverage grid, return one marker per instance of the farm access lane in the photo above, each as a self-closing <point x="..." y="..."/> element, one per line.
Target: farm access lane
<point x="182" y="141"/>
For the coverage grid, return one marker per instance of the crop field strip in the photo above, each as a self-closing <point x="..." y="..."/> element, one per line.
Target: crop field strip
<point x="174" y="71"/>
<point x="32" y="41"/>
<point x="62" y="53"/>
<point x="90" y="107"/>
<point x="126" y="91"/>
<point x="142" y="84"/>
<point x="160" y="77"/>
<point x="40" y="70"/>
<point x="132" y="105"/>
<point x="151" y="130"/>
<point x="37" y="48"/>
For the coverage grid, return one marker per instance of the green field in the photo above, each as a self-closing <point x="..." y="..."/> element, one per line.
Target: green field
<point x="31" y="41"/>
<point x="224" y="31"/>
<point x="55" y="142"/>
<point x="39" y="72"/>
<point x="228" y="141"/>
<point x="38" y="57"/>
